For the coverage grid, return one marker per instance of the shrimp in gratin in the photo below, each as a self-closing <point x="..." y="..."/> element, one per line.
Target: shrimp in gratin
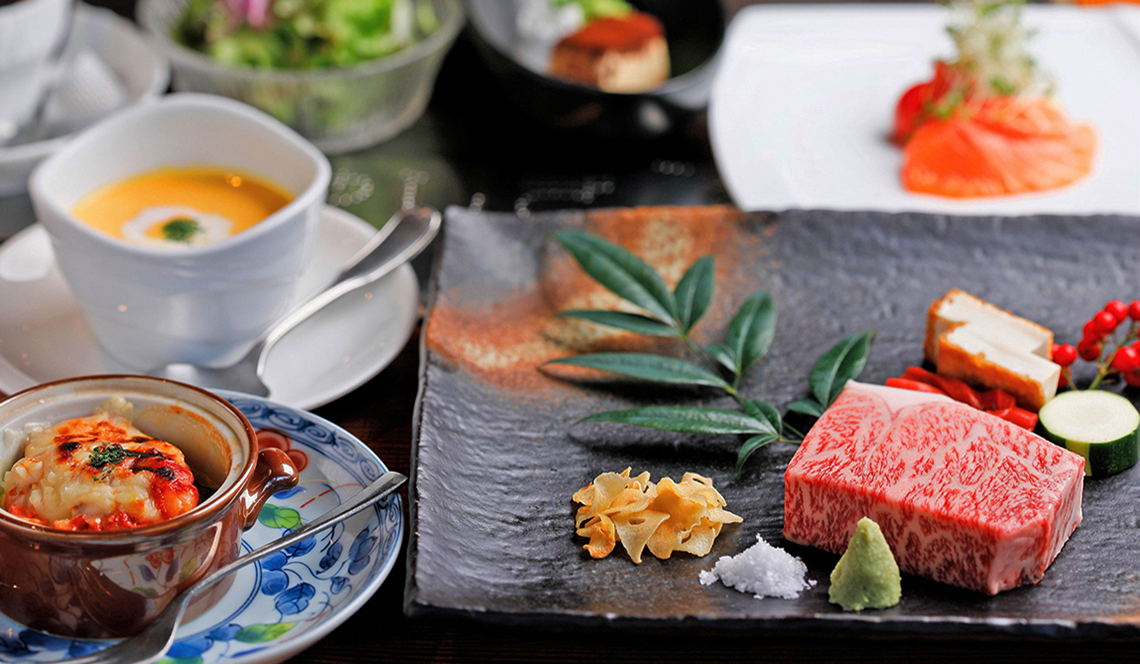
<point x="98" y="473"/>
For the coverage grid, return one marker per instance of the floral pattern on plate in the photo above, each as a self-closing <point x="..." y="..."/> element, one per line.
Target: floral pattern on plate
<point x="290" y="599"/>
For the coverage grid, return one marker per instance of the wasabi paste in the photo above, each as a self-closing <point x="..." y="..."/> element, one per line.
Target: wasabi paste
<point x="867" y="576"/>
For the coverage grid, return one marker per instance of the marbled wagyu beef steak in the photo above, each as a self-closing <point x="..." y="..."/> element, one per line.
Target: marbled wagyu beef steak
<point x="962" y="497"/>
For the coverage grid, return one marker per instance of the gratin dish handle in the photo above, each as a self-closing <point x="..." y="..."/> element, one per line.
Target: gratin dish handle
<point x="274" y="472"/>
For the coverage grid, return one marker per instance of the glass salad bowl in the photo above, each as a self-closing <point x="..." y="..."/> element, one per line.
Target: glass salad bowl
<point x="338" y="109"/>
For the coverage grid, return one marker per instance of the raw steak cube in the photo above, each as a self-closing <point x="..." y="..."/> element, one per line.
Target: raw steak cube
<point x="962" y="497"/>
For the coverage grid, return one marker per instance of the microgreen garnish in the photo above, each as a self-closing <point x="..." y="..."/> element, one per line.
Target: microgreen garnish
<point x="992" y="54"/>
<point x="718" y="365"/>
<point x="181" y="230"/>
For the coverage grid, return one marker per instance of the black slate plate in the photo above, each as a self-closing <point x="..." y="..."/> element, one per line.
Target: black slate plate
<point x="497" y="455"/>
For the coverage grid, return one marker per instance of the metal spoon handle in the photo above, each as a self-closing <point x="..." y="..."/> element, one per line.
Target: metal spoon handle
<point x="387" y="483"/>
<point x="405" y="242"/>
<point x="155" y="639"/>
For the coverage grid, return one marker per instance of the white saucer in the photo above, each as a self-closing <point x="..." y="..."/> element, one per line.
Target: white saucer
<point x="44" y="336"/>
<point x="144" y="72"/>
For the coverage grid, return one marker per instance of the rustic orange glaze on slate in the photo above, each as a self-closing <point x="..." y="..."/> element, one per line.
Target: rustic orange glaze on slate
<point x="507" y="341"/>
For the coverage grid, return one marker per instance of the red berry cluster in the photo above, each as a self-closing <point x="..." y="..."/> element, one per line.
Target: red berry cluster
<point x="1101" y="343"/>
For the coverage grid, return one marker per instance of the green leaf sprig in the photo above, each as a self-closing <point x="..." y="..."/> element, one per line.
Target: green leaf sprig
<point x="673" y="314"/>
<point x="181" y="230"/>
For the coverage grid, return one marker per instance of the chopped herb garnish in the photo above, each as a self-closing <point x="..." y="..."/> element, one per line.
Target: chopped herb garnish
<point x="106" y="457"/>
<point x="180" y="230"/>
<point x="106" y="454"/>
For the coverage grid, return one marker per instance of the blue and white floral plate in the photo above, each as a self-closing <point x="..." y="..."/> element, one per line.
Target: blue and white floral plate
<point x="290" y="600"/>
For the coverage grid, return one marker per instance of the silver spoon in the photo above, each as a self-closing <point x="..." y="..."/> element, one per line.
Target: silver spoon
<point x="401" y="239"/>
<point x="155" y="639"/>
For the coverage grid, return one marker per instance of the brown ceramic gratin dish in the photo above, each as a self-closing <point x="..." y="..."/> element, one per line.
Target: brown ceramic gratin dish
<point x="86" y="584"/>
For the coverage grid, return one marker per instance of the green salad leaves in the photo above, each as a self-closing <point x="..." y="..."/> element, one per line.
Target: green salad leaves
<point x="592" y="9"/>
<point x="302" y="34"/>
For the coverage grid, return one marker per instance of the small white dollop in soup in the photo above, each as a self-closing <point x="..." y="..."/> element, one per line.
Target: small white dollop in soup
<point x="181" y="207"/>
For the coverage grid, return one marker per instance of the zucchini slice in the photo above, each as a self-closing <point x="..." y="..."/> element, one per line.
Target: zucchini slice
<point x="1101" y="426"/>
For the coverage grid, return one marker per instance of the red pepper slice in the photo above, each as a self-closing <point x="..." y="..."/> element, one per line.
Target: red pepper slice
<point x="952" y="387"/>
<point x="959" y="391"/>
<point x="1022" y="418"/>
<point x="921" y="375"/>
<point x="999" y="412"/>
<point x="997" y="399"/>
<point x="907" y="384"/>
<point x="995" y="402"/>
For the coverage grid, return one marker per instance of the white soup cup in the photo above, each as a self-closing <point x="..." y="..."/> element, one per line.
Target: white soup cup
<point x="206" y="305"/>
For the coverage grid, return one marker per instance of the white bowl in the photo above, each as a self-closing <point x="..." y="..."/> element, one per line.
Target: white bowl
<point x="30" y="34"/>
<point x="206" y="305"/>
<point x="143" y="71"/>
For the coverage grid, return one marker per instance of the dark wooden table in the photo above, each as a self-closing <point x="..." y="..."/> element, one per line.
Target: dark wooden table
<point x="472" y="142"/>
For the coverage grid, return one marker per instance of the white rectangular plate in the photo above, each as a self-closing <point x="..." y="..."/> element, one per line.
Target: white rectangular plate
<point x="805" y="98"/>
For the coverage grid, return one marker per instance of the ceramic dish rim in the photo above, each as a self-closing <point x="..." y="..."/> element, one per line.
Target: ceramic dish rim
<point x="308" y="197"/>
<point x="182" y="55"/>
<point x="209" y="511"/>
<point x="289" y="647"/>
<point x="159" y="81"/>
<point x="671" y="85"/>
<point x="11" y="372"/>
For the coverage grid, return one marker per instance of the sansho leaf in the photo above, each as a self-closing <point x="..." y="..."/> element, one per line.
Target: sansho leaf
<point x="840" y="363"/>
<point x="621" y="272"/>
<point x="723" y="355"/>
<point x="751" y="330"/>
<point x="685" y="419"/>
<point x="694" y="292"/>
<point x="762" y="410"/>
<point x="853" y="364"/>
<point x="622" y="320"/>
<point x="751" y="445"/>
<point x="809" y="407"/>
<point x="647" y="367"/>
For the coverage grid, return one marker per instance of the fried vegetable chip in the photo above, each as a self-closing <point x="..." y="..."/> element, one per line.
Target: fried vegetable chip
<point x="665" y="517"/>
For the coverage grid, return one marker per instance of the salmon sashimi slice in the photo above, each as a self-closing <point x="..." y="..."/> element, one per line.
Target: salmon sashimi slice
<point x="985" y="124"/>
<point x="1002" y="146"/>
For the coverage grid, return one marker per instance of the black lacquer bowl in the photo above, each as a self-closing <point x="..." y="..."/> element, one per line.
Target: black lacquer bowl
<point x="695" y="31"/>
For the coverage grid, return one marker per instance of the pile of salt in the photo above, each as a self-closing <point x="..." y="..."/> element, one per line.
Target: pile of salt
<point x="762" y="570"/>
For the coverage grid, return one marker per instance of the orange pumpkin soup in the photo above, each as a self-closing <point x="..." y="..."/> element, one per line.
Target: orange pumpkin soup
<point x="179" y="207"/>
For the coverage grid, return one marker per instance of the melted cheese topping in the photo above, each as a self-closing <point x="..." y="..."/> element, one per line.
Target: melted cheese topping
<point x="98" y="473"/>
